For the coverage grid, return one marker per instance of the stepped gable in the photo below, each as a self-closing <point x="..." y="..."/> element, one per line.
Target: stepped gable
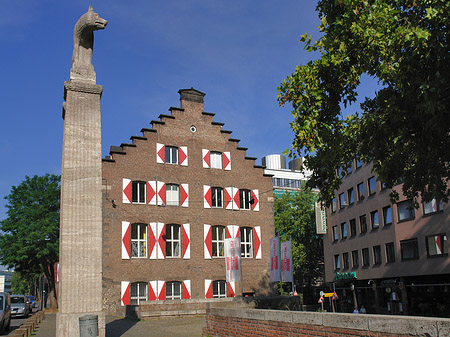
<point x="186" y="97"/>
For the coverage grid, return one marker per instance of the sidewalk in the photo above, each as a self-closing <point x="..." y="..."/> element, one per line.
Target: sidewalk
<point x="156" y="327"/>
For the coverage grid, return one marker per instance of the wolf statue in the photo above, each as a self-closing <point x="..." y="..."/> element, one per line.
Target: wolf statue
<point x="83" y="44"/>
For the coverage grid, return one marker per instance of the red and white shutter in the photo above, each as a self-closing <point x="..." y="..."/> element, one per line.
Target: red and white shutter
<point x="257" y="241"/>
<point x="235" y="199"/>
<point x="124" y="293"/>
<point x="152" y="242"/>
<point x="161" y="246"/>
<point x="152" y="290"/>
<point x="208" y="289"/>
<point x="439" y="244"/>
<point x="186" y="289"/>
<point x="231" y="289"/>
<point x="255" y="196"/>
<point x="161" y="187"/>
<point x="126" y="191"/>
<point x="151" y="193"/>
<point x="183" y="154"/>
<point x="226" y="161"/>
<point x="206" y="158"/>
<point x="184" y="195"/>
<point x="207" y="241"/>
<point x="161" y="285"/>
<point x="186" y="241"/>
<point x="228" y="197"/>
<point x="160" y="153"/>
<point x="232" y="231"/>
<point x="206" y="196"/>
<point x="126" y="240"/>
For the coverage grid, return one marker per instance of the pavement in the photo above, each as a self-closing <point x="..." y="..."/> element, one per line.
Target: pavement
<point x="190" y="326"/>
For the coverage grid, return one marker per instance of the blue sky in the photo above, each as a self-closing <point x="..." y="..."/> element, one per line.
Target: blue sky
<point x="237" y="52"/>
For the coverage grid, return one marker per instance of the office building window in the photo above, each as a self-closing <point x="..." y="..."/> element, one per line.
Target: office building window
<point x="436" y="245"/>
<point x="432" y="207"/>
<point x="246" y="241"/>
<point x="217" y="240"/>
<point x="337" y="262"/>
<point x="390" y="252"/>
<point x="171" y="155"/>
<point x="138" y="292"/>
<point x="333" y="205"/>
<point x="138" y="240"/>
<point x="363" y="223"/>
<point x="173" y="240"/>
<point x="219" y="289"/>
<point x="216" y="197"/>
<point x="405" y="210"/>
<point x="358" y="163"/>
<point x="350" y="196"/>
<point x="353" y="227"/>
<point x="365" y="257"/>
<point x="335" y="233"/>
<point x="344" y="230"/>
<point x="355" y="259"/>
<point x="377" y="254"/>
<point x="342" y="202"/>
<point x="345" y="260"/>
<point x="387" y="215"/>
<point x="138" y="192"/>
<point x="409" y="249"/>
<point x="371" y="186"/>
<point x="374" y="220"/>
<point x="173" y="291"/>
<point x="360" y="187"/>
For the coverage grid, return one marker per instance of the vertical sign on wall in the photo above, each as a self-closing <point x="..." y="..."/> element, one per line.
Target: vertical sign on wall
<point x="286" y="262"/>
<point x="321" y="219"/>
<point x="233" y="259"/>
<point x="275" y="260"/>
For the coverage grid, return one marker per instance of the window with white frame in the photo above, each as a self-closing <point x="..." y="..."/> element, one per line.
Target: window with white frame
<point x="217" y="240"/>
<point x="173" y="240"/>
<point x="244" y="199"/>
<point x="432" y="207"/>
<point x="171" y="155"/>
<point x="173" y="290"/>
<point x="216" y="197"/>
<point x="138" y="189"/>
<point x="172" y="195"/>
<point x="215" y="159"/>
<point x="219" y="289"/>
<point x="138" y="292"/>
<point x="138" y="240"/>
<point x="246" y="242"/>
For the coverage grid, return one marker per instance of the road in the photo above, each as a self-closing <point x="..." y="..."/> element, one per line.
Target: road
<point x="16" y="322"/>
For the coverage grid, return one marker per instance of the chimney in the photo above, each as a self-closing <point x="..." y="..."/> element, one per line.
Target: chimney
<point x="191" y="99"/>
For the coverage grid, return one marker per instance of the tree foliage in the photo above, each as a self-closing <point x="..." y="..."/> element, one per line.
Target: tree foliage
<point x="404" y="129"/>
<point x="30" y="240"/>
<point x="295" y="219"/>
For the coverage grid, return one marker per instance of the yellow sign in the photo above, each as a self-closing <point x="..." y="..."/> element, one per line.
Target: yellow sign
<point x="328" y="294"/>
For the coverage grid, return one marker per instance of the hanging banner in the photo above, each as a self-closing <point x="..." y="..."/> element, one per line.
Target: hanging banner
<point x="321" y="219"/>
<point x="286" y="262"/>
<point x="233" y="259"/>
<point x="275" y="269"/>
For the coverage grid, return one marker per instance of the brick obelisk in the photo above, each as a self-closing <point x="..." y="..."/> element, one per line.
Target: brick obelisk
<point x="80" y="250"/>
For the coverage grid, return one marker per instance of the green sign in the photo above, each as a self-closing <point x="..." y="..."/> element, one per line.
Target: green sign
<point x="346" y="276"/>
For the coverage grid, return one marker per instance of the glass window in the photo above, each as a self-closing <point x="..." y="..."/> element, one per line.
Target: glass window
<point x="387" y="215"/>
<point x="353" y="227"/>
<point x="377" y="254"/>
<point x="432" y="206"/>
<point x="173" y="291"/>
<point x="345" y="260"/>
<point x="340" y="172"/>
<point x="244" y="199"/>
<point x="342" y="202"/>
<point x="350" y="196"/>
<point x="217" y="240"/>
<point x="216" y="159"/>
<point x="333" y="205"/>
<point x="383" y="185"/>
<point x="405" y="210"/>
<point x="172" y="195"/>
<point x="374" y="220"/>
<point x="436" y="245"/>
<point x="365" y="257"/>
<point x="390" y="252"/>
<point x="349" y="168"/>
<point x="216" y="197"/>
<point x="138" y="292"/>
<point x="171" y="155"/>
<point x="335" y="233"/>
<point x="371" y="185"/>
<point x="360" y="191"/>
<point x="173" y="240"/>
<point x="337" y="262"/>
<point x="138" y="192"/>
<point x="246" y="242"/>
<point x="219" y="289"/>
<point x="358" y="163"/>
<point x="355" y="259"/>
<point x="138" y="240"/>
<point x="363" y="223"/>
<point x="409" y="249"/>
<point x="344" y="230"/>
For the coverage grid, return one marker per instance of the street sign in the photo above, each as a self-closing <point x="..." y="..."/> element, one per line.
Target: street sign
<point x="328" y="294"/>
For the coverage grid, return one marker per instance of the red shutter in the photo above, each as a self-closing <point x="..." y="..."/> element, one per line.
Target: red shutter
<point x="126" y="191"/>
<point x="231" y="289"/>
<point x="235" y="199"/>
<point x="208" y="289"/>
<point x="207" y="241"/>
<point x="126" y="240"/>
<point x="160" y="153"/>
<point x="161" y="241"/>
<point x="255" y="196"/>
<point x="183" y="153"/>
<point x="161" y="290"/>
<point x="184" y="195"/>
<point x="152" y="233"/>
<point x="206" y="158"/>
<point x="186" y="289"/>
<point x="257" y="241"/>
<point x="152" y="290"/>
<point x="228" y="197"/>
<point x="161" y="193"/>
<point x="125" y="293"/>
<point x="226" y="161"/>
<point x="186" y="241"/>
<point x="206" y="196"/>
<point x="151" y="193"/>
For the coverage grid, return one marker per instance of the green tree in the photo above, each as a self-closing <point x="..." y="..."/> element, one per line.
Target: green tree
<point x="30" y="240"/>
<point x="20" y="285"/>
<point x="295" y="219"/>
<point x="404" y="129"/>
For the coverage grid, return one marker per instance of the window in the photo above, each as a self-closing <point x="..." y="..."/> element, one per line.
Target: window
<point x="353" y="227"/>
<point x="217" y="240"/>
<point x="363" y="223"/>
<point x="138" y="240"/>
<point x="342" y="202"/>
<point x="244" y="199"/>
<point x="377" y="254"/>
<point x="409" y="249"/>
<point x="216" y="159"/>
<point x="173" y="290"/>
<point x="432" y="207"/>
<point x="172" y="195"/>
<point x="390" y="252"/>
<point x="138" y="192"/>
<point x="171" y="155"/>
<point x="436" y="245"/>
<point x="358" y="163"/>
<point x="173" y="240"/>
<point x="138" y="292"/>
<point x="246" y="242"/>
<point x="355" y="259"/>
<point x="349" y="168"/>
<point x="344" y="230"/>
<point x="340" y="172"/>
<point x="360" y="191"/>
<point x="387" y="215"/>
<point x="335" y="233"/>
<point x="337" y="262"/>
<point x="371" y="186"/>
<point x="374" y="220"/>
<point x="383" y="185"/>
<point x="216" y="197"/>
<point x="365" y="257"/>
<point x="350" y="196"/>
<point x="219" y="289"/>
<point x="345" y="261"/>
<point x="405" y="210"/>
<point x="333" y="205"/>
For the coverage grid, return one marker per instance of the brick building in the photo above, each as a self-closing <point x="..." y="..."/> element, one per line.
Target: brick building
<point x="171" y="197"/>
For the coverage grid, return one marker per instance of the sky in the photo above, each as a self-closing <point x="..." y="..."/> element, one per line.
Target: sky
<point x="236" y="52"/>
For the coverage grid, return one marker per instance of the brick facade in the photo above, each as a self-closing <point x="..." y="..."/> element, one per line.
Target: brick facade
<point x="193" y="133"/>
